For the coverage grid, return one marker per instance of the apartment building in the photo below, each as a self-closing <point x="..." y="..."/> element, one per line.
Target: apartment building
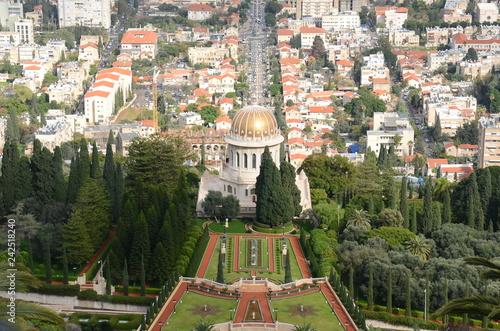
<point x="211" y="56"/>
<point x="486" y="12"/>
<point x="344" y="21"/>
<point x="91" y="13"/>
<point x="386" y="126"/>
<point x="489" y="141"/>
<point x="392" y="17"/>
<point x="140" y="44"/>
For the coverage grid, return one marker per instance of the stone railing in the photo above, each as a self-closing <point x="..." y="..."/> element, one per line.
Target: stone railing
<point x="214" y="291"/>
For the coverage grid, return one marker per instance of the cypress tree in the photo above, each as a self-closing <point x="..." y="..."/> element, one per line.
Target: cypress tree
<point x="108" y="277"/>
<point x="30" y="256"/>
<point x="43" y="120"/>
<point x="95" y="169"/>
<point x="12" y="132"/>
<point x="9" y="176"/>
<point x="119" y="188"/>
<point x="408" y="295"/>
<point x="84" y="162"/>
<point x="65" y="267"/>
<point x="287" y="172"/>
<point x="143" y="278"/>
<point x="410" y="192"/>
<point x="413" y="225"/>
<point x="371" y="208"/>
<point x="203" y="152"/>
<point x="445" y="299"/>
<point x="427" y="226"/>
<point x="446" y="217"/>
<point x="159" y="265"/>
<point x="466" y="294"/>
<point x="427" y="298"/>
<point x="485" y="192"/>
<point x="220" y="270"/>
<point x="125" y="278"/>
<point x="393" y="201"/>
<point x="59" y="185"/>
<point x="48" y="264"/>
<point x="73" y="180"/>
<point x="351" y="281"/>
<point x="370" y="288"/>
<point x="403" y="204"/>
<point x="111" y="138"/>
<point x="436" y="216"/>
<point x="478" y="209"/>
<point x="470" y="208"/>
<point x="24" y="179"/>
<point x="389" y="292"/>
<point x="140" y="247"/>
<point x="288" y="269"/>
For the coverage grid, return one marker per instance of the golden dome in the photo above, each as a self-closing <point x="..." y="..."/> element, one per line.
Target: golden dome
<point x="254" y="122"/>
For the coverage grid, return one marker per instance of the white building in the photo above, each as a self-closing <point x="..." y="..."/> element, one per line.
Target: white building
<point x="348" y="20"/>
<point x="9" y="8"/>
<point x="486" y="12"/>
<point x="190" y="118"/>
<point x="92" y="13"/>
<point x="392" y="17"/>
<point x="385" y="127"/>
<point x="253" y="128"/>
<point x="25" y="30"/>
<point x="139" y="43"/>
<point x="55" y="134"/>
<point x="199" y="12"/>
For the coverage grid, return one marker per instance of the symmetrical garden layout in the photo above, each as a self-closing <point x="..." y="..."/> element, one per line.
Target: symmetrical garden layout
<point x="253" y="295"/>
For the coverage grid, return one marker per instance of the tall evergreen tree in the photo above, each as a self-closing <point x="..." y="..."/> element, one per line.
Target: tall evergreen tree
<point x="403" y="204"/>
<point x="273" y="205"/>
<point x="408" y="295"/>
<point x="65" y="267"/>
<point x="95" y="169"/>
<point x="288" y="180"/>
<point x="478" y="208"/>
<point x="393" y="201"/>
<point x="143" y="278"/>
<point x="427" y="296"/>
<point x="159" y="265"/>
<point x="445" y="299"/>
<point x="471" y="217"/>
<point x="42" y="165"/>
<point x="370" y="298"/>
<point x="220" y="270"/>
<point x="371" y="208"/>
<point x="351" y="281"/>
<point x="84" y="164"/>
<point x="12" y="132"/>
<point x="414" y="221"/>
<point x="140" y="247"/>
<point x="436" y="216"/>
<point x="9" y="176"/>
<point x="77" y="241"/>
<point x="288" y="269"/>
<point x="109" y="171"/>
<point x="125" y="278"/>
<point x="59" y="184"/>
<point x="108" y="277"/>
<point x="73" y="180"/>
<point x="111" y="138"/>
<point x="427" y="221"/>
<point x="24" y="179"/>
<point x="446" y="217"/>
<point x="118" y="191"/>
<point x="48" y="263"/>
<point x="389" y="292"/>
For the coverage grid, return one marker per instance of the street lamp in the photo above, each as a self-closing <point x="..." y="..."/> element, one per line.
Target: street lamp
<point x="275" y="310"/>
<point x="283" y="227"/>
<point x="175" y="301"/>
<point x="231" y="310"/>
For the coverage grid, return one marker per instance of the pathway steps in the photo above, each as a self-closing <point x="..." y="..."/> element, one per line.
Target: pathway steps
<point x="207" y="256"/>
<point x="304" y="268"/>
<point x="339" y="310"/>
<point x="264" y="305"/>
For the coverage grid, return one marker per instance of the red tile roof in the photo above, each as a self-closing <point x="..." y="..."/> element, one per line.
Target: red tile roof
<point x="91" y="44"/>
<point x="139" y="37"/>
<point x="200" y="7"/>
<point x="101" y="94"/>
<point x="311" y="29"/>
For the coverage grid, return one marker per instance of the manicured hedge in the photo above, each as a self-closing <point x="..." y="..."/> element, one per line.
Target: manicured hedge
<point x="401" y="320"/>
<point x="265" y="228"/>
<point x="92" y="295"/>
<point x="136" y="289"/>
<point x="134" y="320"/>
<point x="62" y="290"/>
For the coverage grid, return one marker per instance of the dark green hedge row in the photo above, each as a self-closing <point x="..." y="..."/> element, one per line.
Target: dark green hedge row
<point x="92" y="295"/>
<point x="401" y="320"/>
<point x="134" y="320"/>
<point x="198" y="253"/>
<point x="256" y="225"/>
<point x="62" y="290"/>
<point x="136" y="289"/>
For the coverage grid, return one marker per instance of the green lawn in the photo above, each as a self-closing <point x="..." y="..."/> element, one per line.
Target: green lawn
<point x="235" y="226"/>
<point x="323" y="319"/>
<point x="296" y="273"/>
<point x="186" y="319"/>
<point x="264" y="253"/>
<point x="212" y="267"/>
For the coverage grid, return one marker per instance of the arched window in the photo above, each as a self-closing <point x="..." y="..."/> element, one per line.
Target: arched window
<point x="246" y="192"/>
<point x="232" y="158"/>
<point x="254" y="161"/>
<point x="245" y="160"/>
<point x="230" y="189"/>
<point x="252" y="191"/>
<point x="237" y="159"/>
<point x="254" y="198"/>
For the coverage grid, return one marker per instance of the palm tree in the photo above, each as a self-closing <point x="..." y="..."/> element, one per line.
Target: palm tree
<point x="358" y="217"/>
<point x="456" y="143"/>
<point x="397" y="139"/>
<point x="203" y="325"/>
<point x="24" y="310"/>
<point x="483" y="305"/>
<point x="418" y="246"/>
<point x="303" y="327"/>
